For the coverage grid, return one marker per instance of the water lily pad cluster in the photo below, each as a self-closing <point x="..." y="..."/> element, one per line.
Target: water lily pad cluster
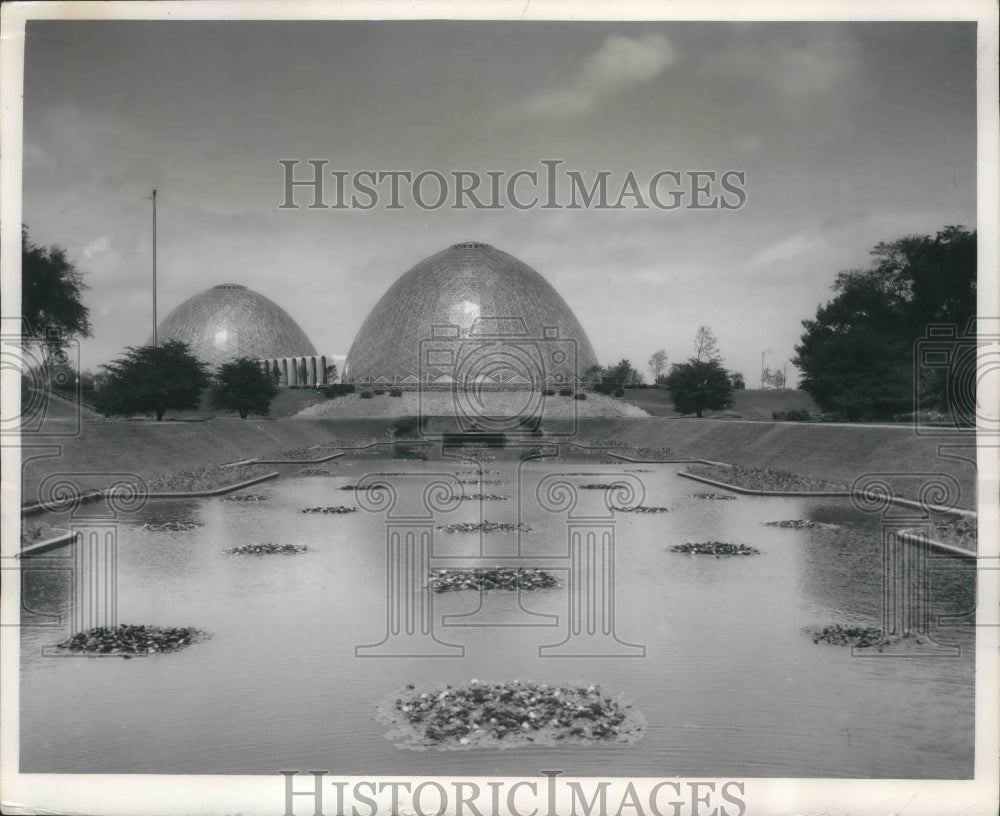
<point x="486" y="526"/>
<point x="839" y="635"/>
<point x="361" y="487"/>
<point x="127" y="639"/>
<point x="716" y="548"/>
<point x="641" y="508"/>
<point x="172" y="526"/>
<point x="317" y="472"/>
<point x="713" y="497"/>
<point x="803" y="524"/>
<point x="481" y="481"/>
<point x="504" y="715"/>
<point x="478" y="472"/>
<point x="480" y="497"/>
<point x="266" y="549"/>
<point x="508" y="578"/>
<point x="764" y="478"/>
<point x="338" y="509"/>
<point x="245" y="497"/>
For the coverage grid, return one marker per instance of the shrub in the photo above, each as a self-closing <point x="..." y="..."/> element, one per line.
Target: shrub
<point x="580" y="396"/>
<point x="550" y="392"/>
<point x="565" y="392"/>
<point x="379" y="392"/>
<point x="338" y="390"/>
<point x="396" y="392"/>
<point x="366" y="395"/>
<point x="791" y="416"/>
<point x="618" y="392"/>
<point x="833" y="416"/>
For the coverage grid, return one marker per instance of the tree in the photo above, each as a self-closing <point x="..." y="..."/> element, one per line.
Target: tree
<point x="776" y="378"/>
<point x="622" y="375"/>
<point x="736" y="381"/>
<point x="857" y="354"/>
<point x="331" y="373"/>
<point x="699" y="385"/>
<point x="152" y="380"/>
<point x="243" y="387"/>
<point x="51" y="297"/>
<point x="706" y="346"/>
<point x="658" y="364"/>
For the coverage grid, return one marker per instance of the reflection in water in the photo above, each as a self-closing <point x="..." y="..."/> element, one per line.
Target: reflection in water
<point x="729" y="683"/>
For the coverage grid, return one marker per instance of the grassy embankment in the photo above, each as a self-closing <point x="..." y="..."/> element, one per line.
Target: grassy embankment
<point x="747" y="404"/>
<point x="837" y="453"/>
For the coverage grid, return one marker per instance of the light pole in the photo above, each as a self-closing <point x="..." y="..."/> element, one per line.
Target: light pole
<point x="765" y="351"/>
<point x="154" y="268"/>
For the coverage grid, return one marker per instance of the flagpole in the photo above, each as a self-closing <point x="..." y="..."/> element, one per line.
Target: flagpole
<point x="154" y="268"/>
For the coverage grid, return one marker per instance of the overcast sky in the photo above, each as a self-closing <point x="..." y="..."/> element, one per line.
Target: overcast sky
<point x="848" y="133"/>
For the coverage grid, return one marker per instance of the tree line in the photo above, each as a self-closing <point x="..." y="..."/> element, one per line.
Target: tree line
<point x="860" y="356"/>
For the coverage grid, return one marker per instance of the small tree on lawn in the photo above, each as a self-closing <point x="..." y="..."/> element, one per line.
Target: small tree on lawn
<point x="152" y="380"/>
<point x="658" y="364"/>
<point x="243" y="387"/>
<point x="699" y="385"/>
<point x="706" y="346"/>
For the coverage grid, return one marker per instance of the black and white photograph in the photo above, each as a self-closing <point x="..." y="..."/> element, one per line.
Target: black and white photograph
<point x="500" y="409"/>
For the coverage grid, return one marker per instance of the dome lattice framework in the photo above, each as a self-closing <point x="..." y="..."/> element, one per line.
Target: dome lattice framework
<point x="470" y="314"/>
<point x="230" y="321"/>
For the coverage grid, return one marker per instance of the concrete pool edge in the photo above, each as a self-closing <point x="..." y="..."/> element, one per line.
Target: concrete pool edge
<point x="59" y="541"/>
<point x="846" y="494"/>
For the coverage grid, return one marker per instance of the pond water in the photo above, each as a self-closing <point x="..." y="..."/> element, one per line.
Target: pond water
<point x="711" y="650"/>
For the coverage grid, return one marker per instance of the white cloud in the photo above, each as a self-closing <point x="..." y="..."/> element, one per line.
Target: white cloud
<point x="794" y="71"/>
<point x="786" y="249"/>
<point x="620" y="62"/>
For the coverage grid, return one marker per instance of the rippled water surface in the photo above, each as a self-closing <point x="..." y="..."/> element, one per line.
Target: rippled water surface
<point x="729" y="683"/>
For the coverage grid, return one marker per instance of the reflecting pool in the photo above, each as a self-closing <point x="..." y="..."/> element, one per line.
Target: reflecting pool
<point x="711" y="650"/>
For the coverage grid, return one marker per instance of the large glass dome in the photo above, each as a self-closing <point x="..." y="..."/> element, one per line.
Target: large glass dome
<point x="230" y="321"/>
<point x="470" y="312"/>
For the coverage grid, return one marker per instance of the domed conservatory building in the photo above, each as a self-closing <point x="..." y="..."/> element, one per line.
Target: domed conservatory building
<point x="470" y="315"/>
<point x="230" y="321"/>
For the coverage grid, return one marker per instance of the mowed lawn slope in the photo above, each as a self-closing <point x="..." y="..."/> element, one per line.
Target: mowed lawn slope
<point x="747" y="404"/>
<point x="839" y="453"/>
<point x="835" y="452"/>
<point x="107" y="450"/>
